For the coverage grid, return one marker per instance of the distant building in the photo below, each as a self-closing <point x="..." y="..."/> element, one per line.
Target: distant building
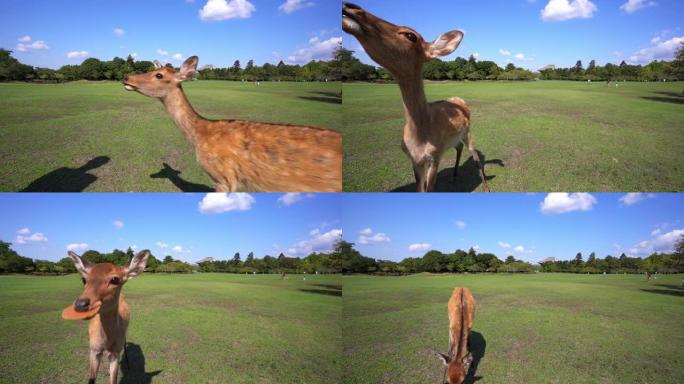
<point x="208" y="66"/>
<point x="206" y="259"/>
<point x="548" y="260"/>
<point x="550" y="66"/>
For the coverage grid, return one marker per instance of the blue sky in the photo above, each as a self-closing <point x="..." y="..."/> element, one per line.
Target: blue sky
<point x="52" y="33"/>
<point x="387" y="226"/>
<point x="185" y="225"/>
<point x="535" y="33"/>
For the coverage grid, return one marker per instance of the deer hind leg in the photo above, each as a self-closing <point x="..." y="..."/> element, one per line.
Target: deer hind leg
<point x="473" y="152"/>
<point x="93" y="364"/>
<point x="419" y="173"/>
<point x="459" y="150"/>
<point x="113" y="367"/>
<point x="432" y="170"/>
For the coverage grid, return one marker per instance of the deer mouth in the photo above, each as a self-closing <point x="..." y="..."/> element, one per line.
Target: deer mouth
<point x="349" y="22"/>
<point x="129" y="87"/>
<point x="70" y="313"/>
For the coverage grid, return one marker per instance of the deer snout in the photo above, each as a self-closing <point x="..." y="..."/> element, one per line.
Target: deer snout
<point x="350" y="5"/>
<point x="125" y="78"/>
<point x="82" y="305"/>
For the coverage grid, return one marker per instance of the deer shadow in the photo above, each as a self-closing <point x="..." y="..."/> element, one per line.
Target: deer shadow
<point x="133" y="366"/>
<point x="66" y="179"/>
<point x="468" y="179"/>
<point x="667" y="97"/>
<point x="477" y="346"/>
<point x="324" y="97"/>
<point x="173" y="175"/>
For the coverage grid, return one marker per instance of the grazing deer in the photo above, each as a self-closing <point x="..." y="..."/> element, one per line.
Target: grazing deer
<point x="461" y="312"/>
<point x="432" y="128"/>
<point x="245" y="155"/>
<point x="103" y="303"/>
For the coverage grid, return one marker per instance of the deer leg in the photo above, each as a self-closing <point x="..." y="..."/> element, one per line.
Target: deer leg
<point x="473" y="152"/>
<point x="419" y="173"/>
<point x="459" y="150"/>
<point x="93" y="364"/>
<point x="433" y="169"/>
<point x="113" y="367"/>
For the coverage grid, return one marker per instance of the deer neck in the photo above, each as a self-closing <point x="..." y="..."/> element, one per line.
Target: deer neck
<point x="182" y="113"/>
<point x="415" y="104"/>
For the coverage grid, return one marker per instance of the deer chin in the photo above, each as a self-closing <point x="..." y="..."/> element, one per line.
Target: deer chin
<point x="130" y="87"/>
<point x="70" y="313"/>
<point x="350" y="25"/>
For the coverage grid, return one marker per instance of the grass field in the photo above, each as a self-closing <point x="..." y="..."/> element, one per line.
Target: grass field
<point x="547" y="328"/>
<point x="535" y="136"/>
<point x="200" y="328"/>
<point x="95" y="136"/>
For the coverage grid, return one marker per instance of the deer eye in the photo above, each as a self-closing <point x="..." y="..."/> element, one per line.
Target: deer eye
<point x="115" y="280"/>
<point x="411" y="36"/>
<point x="159" y="76"/>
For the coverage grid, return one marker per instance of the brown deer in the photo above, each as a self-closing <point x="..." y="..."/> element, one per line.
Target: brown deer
<point x="461" y="312"/>
<point x="103" y="303"/>
<point x="431" y="128"/>
<point x="245" y="155"/>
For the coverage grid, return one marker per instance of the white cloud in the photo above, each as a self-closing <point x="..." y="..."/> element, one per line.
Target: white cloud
<point x="660" y="50"/>
<point x="655" y="40"/>
<point x="226" y="202"/>
<point x="294" y="197"/>
<point x="162" y="244"/>
<point x="76" y="246"/>
<point x="180" y="249"/>
<point x="77" y="54"/>
<point x="655" y="232"/>
<point x="563" y="202"/>
<point x="632" y="6"/>
<point x="119" y="32"/>
<point x="560" y="10"/>
<point x="319" y="242"/>
<point x="162" y="52"/>
<point x="134" y="247"/>
<point x="658" y="243"/>
<point x="24" y="39"/>
<point x="633" y="198"/>
<point x="177" y="56"/>
<point x="460" y="224"/>
<point x="36" y="45"/>
<point x="24" y="236"/>
<point x="476" y="55"/>
<point x="218" y="10"/>
<point x="134" y="54"/>
<point x="418" y="247"/>
<point x="504" y="245"/>
<point x="522" y="57"/>
<point x="521" y="249"/>
<point x="24" y="231"/>
<point x="476" y="248"/>
<point x="366" y="236"/>
<point x="118" y="224"/>
<point x="316" y="50"/>
<point x="504" y="52"/>
<point x="290" y="6"/>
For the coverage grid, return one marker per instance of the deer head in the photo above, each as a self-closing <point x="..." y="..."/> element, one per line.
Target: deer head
<point x="102" y="285"/>
<point x="457" y="369"/>
<point x="401" y="50"/>
<point x="162" y="80"/>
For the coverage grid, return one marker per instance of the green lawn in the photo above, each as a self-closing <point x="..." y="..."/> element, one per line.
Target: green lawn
<point x="50" y="133"/>
<point x="199" y="328"/>
<point x="535" y="136"/>
<point x="546" y="328"/>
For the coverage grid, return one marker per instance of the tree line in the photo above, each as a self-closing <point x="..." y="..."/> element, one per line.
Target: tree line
<point x="94" y="69"/>
<point x="352" y="69"/>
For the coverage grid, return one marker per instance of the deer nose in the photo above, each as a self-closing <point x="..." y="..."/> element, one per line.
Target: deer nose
<point x="125" y="78"/>
<point x="82" y="305"/>
<point x="350" y="5"/>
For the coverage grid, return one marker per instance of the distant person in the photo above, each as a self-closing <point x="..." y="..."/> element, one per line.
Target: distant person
<point x="67" y="179"/>
<point x="648" y="276"/>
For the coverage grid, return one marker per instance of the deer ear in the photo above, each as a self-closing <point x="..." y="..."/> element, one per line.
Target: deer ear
<point x="82" y="266"/>
<point x="137" y="264"/>
<point x="445" y="44"/>
<point x="445" y="358"/>
<point x="189" y="68"/>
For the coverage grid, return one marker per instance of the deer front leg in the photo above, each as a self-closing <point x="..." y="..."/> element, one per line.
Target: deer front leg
<point x="419" y="173"/>
<point x="459" y="150"/>
<point x="433" y="169"/>
<point x="93" y="365"/>
<point x="473" y="152"/>
<point x="113" y="367"/>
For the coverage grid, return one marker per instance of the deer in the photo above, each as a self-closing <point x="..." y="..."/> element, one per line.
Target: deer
<point x="431" y="128"/>
<point x="240" y="155"/>
<point x="457" y="361"/>
<point x="103" y="304"/>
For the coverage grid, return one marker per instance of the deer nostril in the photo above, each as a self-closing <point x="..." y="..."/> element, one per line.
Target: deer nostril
<point x="125" y="78"/>
<point x="82" y="305"/>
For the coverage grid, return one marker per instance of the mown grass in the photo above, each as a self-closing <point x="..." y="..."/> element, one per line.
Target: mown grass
<point x="48" y="131"/>
<point x="535" y="136"/>
<point x="546" y="328"/>
<point x="200" y="328"/>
